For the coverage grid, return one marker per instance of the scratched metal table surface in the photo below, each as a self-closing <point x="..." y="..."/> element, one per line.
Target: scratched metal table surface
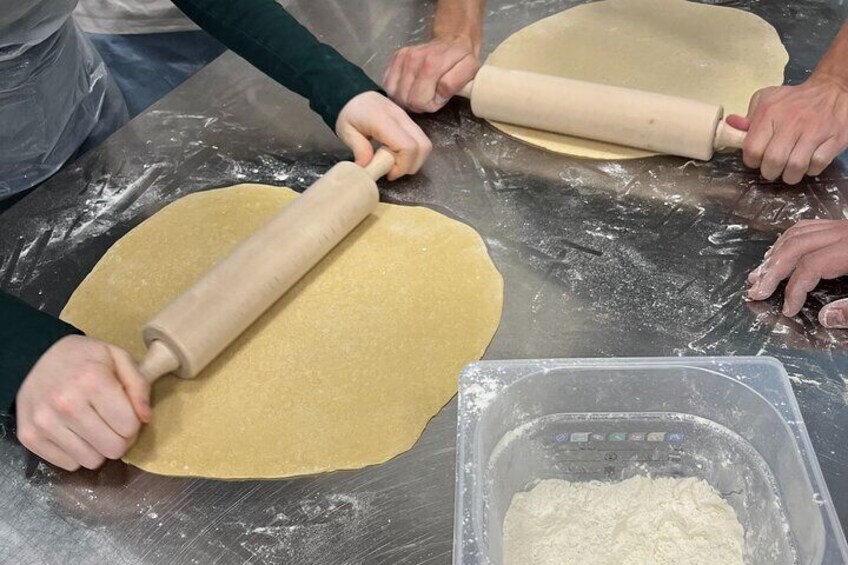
<point x="644" y="257"/>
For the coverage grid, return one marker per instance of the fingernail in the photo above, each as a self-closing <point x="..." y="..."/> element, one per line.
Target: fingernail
<point x="833" y="318"/>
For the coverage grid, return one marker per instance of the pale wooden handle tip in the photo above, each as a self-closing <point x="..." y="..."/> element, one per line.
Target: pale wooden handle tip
<point x="466" y="90"/>
<point x="159" y="361"/>
<point x="380" y="164"/>
<point x="729" y="137"/>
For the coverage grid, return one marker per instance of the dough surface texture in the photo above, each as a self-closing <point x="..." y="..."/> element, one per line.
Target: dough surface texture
<point x="710" y="53"/>
<point x="661" y="521"/>
<point x="344" y="371"/>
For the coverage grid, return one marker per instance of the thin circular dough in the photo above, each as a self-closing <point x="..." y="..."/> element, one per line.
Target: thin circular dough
<point x="703" y="52"/>
<point x="344" y="371"/>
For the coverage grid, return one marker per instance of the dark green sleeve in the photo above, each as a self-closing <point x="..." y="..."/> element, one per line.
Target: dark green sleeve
<point x="270" y="39"/>
<point x="25" y="334"/>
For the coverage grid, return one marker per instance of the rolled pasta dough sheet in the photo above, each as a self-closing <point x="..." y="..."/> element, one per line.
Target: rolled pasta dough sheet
<point x="704" y="52"/>
<point x="343" y="372"/>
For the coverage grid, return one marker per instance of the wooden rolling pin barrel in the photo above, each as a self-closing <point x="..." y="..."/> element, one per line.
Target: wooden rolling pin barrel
<point x="635" y="118"/>
<point x="196" y="326"/>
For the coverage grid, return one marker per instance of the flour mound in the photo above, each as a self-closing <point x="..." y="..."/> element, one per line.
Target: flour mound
<point x="637" y="521"/>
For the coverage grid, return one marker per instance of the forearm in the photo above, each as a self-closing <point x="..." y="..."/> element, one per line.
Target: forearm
<point x="834" y="63"/>
<point x="460" y="19"/>
<point x="25" y="334"/>
<point x="269" y="38"/>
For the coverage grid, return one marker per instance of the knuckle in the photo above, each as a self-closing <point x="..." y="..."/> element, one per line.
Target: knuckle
<point x="132" y="429"/>
<point x="93" y="461"/>
<point x="752" y="155"/>
<point x="772" y="161"/>
<point x="796" y="164"/>
<point x="819" y="163"/>
<point x="27" y="435"/>
<point x="755" y="152"/>
<point x="42" y="420"/>
<point x="771" y="168"/>
<point x="115" y="449"/>
<point x="429" y="66"/>
<point x="764" y="107"/>
<point x="765" y="91"/>
<point x="768" y="174"/>
<point x="90" y="381"/>
<point x="64" y="404"/>
<point x="448" y="84"/>
<point x="791" y="178"/>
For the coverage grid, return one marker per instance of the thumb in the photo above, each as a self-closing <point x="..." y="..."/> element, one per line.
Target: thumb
<point x="738" y="122"/>
<point x="135" y="384"/>
<point x="835" y="314"/>
<point x="362" y="149"/>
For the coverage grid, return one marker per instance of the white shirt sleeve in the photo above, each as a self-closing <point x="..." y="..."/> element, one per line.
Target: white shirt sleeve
<point x="131" y="17"/>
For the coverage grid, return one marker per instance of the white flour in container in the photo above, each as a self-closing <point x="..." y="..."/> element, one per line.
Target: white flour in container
<point x="637" y="521"/>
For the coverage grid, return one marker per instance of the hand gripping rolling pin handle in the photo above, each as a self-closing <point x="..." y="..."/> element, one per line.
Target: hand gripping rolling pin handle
<point x="193" y="329"/>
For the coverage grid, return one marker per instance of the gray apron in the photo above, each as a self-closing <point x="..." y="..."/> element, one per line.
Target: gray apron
<point x="55" y="92"/>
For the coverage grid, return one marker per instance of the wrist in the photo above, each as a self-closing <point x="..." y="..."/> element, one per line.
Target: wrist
<point x="833" y="77"/>
<point x="468" y="36"/>
<point x="463" y="39"/>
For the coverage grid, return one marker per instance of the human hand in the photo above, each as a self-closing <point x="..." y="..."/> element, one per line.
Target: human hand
<point x="795" y="130"/>
<point x="424" y="77"/>
<point x="807" y="252"/>
<point x="83" y="402"/>
<point x="371" y="115"/>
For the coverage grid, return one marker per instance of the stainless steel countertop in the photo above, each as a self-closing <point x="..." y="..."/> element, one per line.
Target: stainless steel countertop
<point x="643" y="257"/>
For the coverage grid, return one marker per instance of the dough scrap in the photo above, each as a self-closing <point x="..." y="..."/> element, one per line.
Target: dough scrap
<point x="344" y="371"/>
<point x="704" y="52"/>
<point x="662" y="521"/>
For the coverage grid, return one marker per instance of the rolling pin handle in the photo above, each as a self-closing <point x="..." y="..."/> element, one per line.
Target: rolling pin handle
<point x="729" y="137"/>
<point x="380" y="164"/>
<point x="466" y="90"/>
<point x="159" y="361"/>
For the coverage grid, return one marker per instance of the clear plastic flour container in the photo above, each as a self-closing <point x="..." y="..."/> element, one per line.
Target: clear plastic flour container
<point x="732" y="421"/>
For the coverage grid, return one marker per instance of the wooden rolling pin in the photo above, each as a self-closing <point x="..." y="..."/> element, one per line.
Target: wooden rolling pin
<point x="657" y="122"/>
<point x="200" y="323"/>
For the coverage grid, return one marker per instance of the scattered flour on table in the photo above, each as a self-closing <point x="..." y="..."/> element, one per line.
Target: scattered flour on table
<point x="640" y="520"/>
